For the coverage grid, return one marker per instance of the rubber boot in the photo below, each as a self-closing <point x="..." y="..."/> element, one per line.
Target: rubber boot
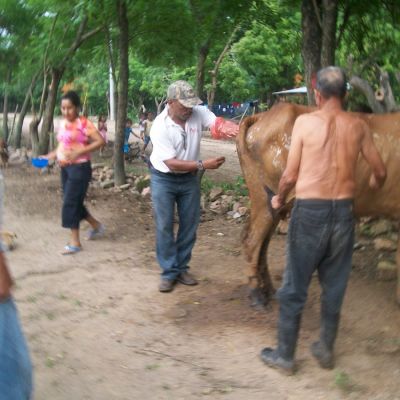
<point x="282" y="357"/>
<point x="322" y="350"/>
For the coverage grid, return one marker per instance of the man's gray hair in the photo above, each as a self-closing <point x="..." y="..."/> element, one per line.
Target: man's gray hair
<point x="332" y="82"/>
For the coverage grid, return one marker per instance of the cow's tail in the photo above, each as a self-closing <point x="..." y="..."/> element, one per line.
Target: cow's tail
<point x="245" y="157"/>
<point x="241" y="144"/>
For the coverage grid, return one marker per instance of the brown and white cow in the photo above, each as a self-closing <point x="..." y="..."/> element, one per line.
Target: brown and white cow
<point x="263" y="143"/>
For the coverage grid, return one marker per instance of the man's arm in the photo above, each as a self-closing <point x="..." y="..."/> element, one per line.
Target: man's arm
<point x="182" y="165"/>
<point x="373" y="158"/>
<point x="290" y="175"/>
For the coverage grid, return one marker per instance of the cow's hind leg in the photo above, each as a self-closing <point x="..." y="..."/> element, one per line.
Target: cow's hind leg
<point x="398" y="271"/>
<point x="257" y="237"/>
<point x="267" y="287"/>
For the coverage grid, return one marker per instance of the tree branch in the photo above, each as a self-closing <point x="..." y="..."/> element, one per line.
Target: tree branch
<point x="318" y="15"/>
<point x="389" y="101"/>
<point x="365" y="88"/>
<point x="342" y="28"/>
<point x="79" y="39"/>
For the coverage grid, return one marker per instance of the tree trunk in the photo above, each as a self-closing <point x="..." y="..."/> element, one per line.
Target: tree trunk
<point x="311" y="44"/>
<point x="113" y="91"/>
<point x="119" y="167"/>
<point x="201" y="63"/>
<point x="56" y="75"/>
<point x="5" y="106"/>
<point x="365" y="88"/>
<point x="388" y="100"/>
<point x="214" y="72"/>
<point x="329" y="20"/>
<point x="44" y="137"/>
<point x="22" y="114"/>
<point x="34" y="135"/>
<point x="159" y="104"/>
<point x="10" y="136"/>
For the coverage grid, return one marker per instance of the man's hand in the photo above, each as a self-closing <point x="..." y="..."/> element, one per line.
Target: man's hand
<point x="276" y="202"/>
<point x="213" y="163"/>
<point x="223" y="129"/>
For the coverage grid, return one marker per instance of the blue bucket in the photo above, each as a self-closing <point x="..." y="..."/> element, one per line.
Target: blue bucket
<point x="40" y="162"/>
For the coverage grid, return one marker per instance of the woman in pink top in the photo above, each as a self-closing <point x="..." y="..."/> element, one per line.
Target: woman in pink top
<point x="77" y="138"/>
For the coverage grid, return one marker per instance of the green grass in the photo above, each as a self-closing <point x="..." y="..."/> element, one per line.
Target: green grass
<point x="237" y="188"/>
<point x="345" y="383"/>
<point x="152" y="367"/>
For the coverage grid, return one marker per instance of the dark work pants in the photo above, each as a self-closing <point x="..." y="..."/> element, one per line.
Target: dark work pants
<point x="75" y="180"/>
<point x="320" y="237"/>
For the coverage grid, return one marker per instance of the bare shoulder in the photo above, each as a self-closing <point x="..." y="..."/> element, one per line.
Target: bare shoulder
<point x="305" y="119"/>
<point x="89" y="123"/>
<point x="354" y="122"/>
<point x="307" y="122"/>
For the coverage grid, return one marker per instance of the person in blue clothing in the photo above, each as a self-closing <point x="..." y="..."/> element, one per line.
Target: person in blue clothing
<point x="128" y="130"/>
<point x="15" y="364"/>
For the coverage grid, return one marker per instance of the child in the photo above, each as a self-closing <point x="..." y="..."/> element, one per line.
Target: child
<point x="102" y="127"/>
<point x="129" y="130"/>
<point x="142" y="119"/>
<point x="146" y="133"/>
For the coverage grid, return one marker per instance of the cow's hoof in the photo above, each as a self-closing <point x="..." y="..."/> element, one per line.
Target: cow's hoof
<point x="259" y="299"/>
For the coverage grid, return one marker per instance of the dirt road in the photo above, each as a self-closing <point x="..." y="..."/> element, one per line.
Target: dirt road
<point x="98" y="328"/>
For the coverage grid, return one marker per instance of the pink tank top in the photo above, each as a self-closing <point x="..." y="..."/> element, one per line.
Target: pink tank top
<point x="70" y="137"/>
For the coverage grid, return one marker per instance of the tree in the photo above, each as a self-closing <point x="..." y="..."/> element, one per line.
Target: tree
<point x="270" y="54"/>
<point x="368" y="49"/>
<point x="14" y="28"/>
<point x="319" y="18"/>
<point x="119" y="169"/>
<point x="57" y="70"/>
<point x="213" y="21"/>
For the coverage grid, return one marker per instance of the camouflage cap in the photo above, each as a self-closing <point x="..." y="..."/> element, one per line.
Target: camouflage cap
<point x="184" y="93"/>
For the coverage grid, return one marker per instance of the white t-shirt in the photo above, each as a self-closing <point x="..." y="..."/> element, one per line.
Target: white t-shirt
<point x="172" y="141"/>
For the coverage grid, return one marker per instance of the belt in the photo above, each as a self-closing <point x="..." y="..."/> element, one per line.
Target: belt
<point x="177" y="174"/>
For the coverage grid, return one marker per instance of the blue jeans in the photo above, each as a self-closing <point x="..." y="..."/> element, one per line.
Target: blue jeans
<point x="174" y="253"/>
<point x="15" y="364"/>
<point x="320" y="237"/>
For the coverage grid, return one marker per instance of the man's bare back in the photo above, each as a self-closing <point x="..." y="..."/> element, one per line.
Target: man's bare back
<point x="323" y="153"/>
<point x="330" y="145"/>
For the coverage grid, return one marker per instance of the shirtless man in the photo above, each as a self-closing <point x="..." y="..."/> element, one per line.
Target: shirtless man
<point x="321" y="166"/>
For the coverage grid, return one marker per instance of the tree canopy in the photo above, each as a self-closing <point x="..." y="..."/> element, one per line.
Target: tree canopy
<point x="239" y="51"/>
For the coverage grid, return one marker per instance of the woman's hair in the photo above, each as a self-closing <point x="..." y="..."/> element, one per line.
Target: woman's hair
<point x="73" y="97"/>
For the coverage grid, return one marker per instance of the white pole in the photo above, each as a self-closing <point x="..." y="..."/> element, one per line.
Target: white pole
<point x="112" y="99"/>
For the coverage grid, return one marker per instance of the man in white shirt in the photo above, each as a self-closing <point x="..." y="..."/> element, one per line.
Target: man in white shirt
<point x="176" y="135"/>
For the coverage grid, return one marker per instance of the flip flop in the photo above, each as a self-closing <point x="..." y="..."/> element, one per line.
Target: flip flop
<point x="95" y="233"/>
<point x="69" y="249"/>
